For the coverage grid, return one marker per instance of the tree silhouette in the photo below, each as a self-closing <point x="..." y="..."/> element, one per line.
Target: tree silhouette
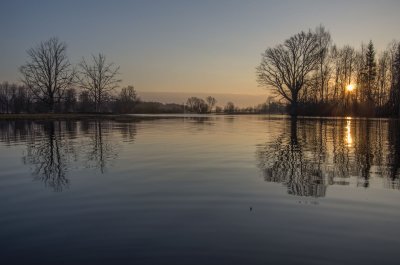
<point x="126" y="100"/>
<point x="211" y="101"/>
<point x="369" y="74"/>
<point x="48" y="72"/>
<point x="394" y="101"/>
<point x="98" y="78"/>
<point x="287" y="67"/>
<point x="196" y="105"/>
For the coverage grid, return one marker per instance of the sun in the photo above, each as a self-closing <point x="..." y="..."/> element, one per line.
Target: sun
<point x="350" y="87"/>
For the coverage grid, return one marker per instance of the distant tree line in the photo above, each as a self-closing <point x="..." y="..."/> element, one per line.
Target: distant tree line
<point x="316" y="77"/>
<point x="198" y="105"/>
<point x="50" y="83"/>
<point x="15" y="98"/>
<point x="201" y="106"/>
<point x="19" y="99"/>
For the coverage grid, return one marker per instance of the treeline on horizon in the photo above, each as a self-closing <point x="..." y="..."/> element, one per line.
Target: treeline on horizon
<point x="309" y="74"/>
<point x="17" y="99"/>
<point x="50" y="83"/>
<point x="316" y="77"/>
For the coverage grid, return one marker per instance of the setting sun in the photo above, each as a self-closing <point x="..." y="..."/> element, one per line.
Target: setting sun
<point x="180" y="132"/>
<point x="350" y="87"/>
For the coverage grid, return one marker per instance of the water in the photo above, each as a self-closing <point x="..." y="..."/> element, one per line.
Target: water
<point x="200" y="190"/>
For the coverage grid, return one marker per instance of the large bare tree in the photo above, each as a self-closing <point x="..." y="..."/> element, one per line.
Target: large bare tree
<point x="48" y="72"/>
<point x="99" y="78"/>
<point x="287" y="67"/>
<point x="324" y="42"/>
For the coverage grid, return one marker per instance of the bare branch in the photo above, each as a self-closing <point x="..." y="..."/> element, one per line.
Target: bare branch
<point x="286" y="68"/>
<point x="98" y="78"/>
<point x="48" y="72"/>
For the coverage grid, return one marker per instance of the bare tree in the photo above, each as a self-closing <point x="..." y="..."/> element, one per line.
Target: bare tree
<point x="48" y="72"/>
<point x="324" y="42"/>
<point x="211" y="101"/>
<point x="345" y="66"/>
<point x="6" y="96"/>
<point x="383" y="79"/>
<point x="392" y="49"/>
<point x="287" y="67"/>
<point x="126" y="100"/>
<point x="70" y="100"/>
<point x="229" y="107"/>
<point x="196" y="105"/>
<point x="99" y="78"/>
<point x="395" y="98"/>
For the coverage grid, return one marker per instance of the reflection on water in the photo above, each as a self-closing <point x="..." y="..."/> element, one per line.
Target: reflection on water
<point x="99" y="150"/>
<point x="310" y="155"/>
<point x="305" y="155"/>
<point x="285" y="161"/>
<point x="349" y="139"/>
<point x="53" y="147"/>
<point x="49" y="153"/>
<point x="178" y="191"/>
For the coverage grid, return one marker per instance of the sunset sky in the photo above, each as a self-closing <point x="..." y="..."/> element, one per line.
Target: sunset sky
<point x="185" y="46"/>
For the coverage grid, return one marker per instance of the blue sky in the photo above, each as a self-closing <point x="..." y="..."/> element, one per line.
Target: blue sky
<point x="185" y="46"/>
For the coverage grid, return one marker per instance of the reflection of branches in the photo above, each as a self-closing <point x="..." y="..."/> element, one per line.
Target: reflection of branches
<point x="201" y="120"/>
<point x="341" y="144"/>
<point x="100" y="150"/>
<point x="364" y="153"/>
<point x="54" y="146"/>
<point x="15" y="131"/>
<point x="394" y="154"/>
<point x="284" y="162"/>
<point x="128" y="131"/>
<point x="49" y="156"/>
<point x="357" y="149"/>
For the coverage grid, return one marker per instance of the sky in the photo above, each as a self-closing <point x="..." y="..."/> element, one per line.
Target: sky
<point x="185" y="46"/>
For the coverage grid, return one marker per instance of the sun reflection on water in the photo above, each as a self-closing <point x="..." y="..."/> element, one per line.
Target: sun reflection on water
<point x="349" y="139"/>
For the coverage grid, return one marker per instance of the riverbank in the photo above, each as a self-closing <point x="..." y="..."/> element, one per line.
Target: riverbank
<point x="70" y="116"/>
<point x="102" y="116"/>
<point x="153" y="116"/>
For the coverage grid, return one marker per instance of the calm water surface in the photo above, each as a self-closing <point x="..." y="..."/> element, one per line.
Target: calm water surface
<point x="200" y="190"/>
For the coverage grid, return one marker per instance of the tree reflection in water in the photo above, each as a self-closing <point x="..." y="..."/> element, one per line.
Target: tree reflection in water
<point x="53" y="148"/>
<point x="306" y="155"/>
<point x="285" y="161"/>
<point x="49" y="153"/>
<point x="393" y="156"/>
<point x="99" y="149"/>
<point x="312" y="154"/>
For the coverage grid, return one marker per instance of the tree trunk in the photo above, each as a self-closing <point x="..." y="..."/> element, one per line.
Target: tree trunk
<point x="294" y="105"/>
<point x="51" y="104"/>
<point x="293" y="109"/>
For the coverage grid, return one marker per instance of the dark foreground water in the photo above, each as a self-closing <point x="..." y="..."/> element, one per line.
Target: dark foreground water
<point x="216" y="190"/>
